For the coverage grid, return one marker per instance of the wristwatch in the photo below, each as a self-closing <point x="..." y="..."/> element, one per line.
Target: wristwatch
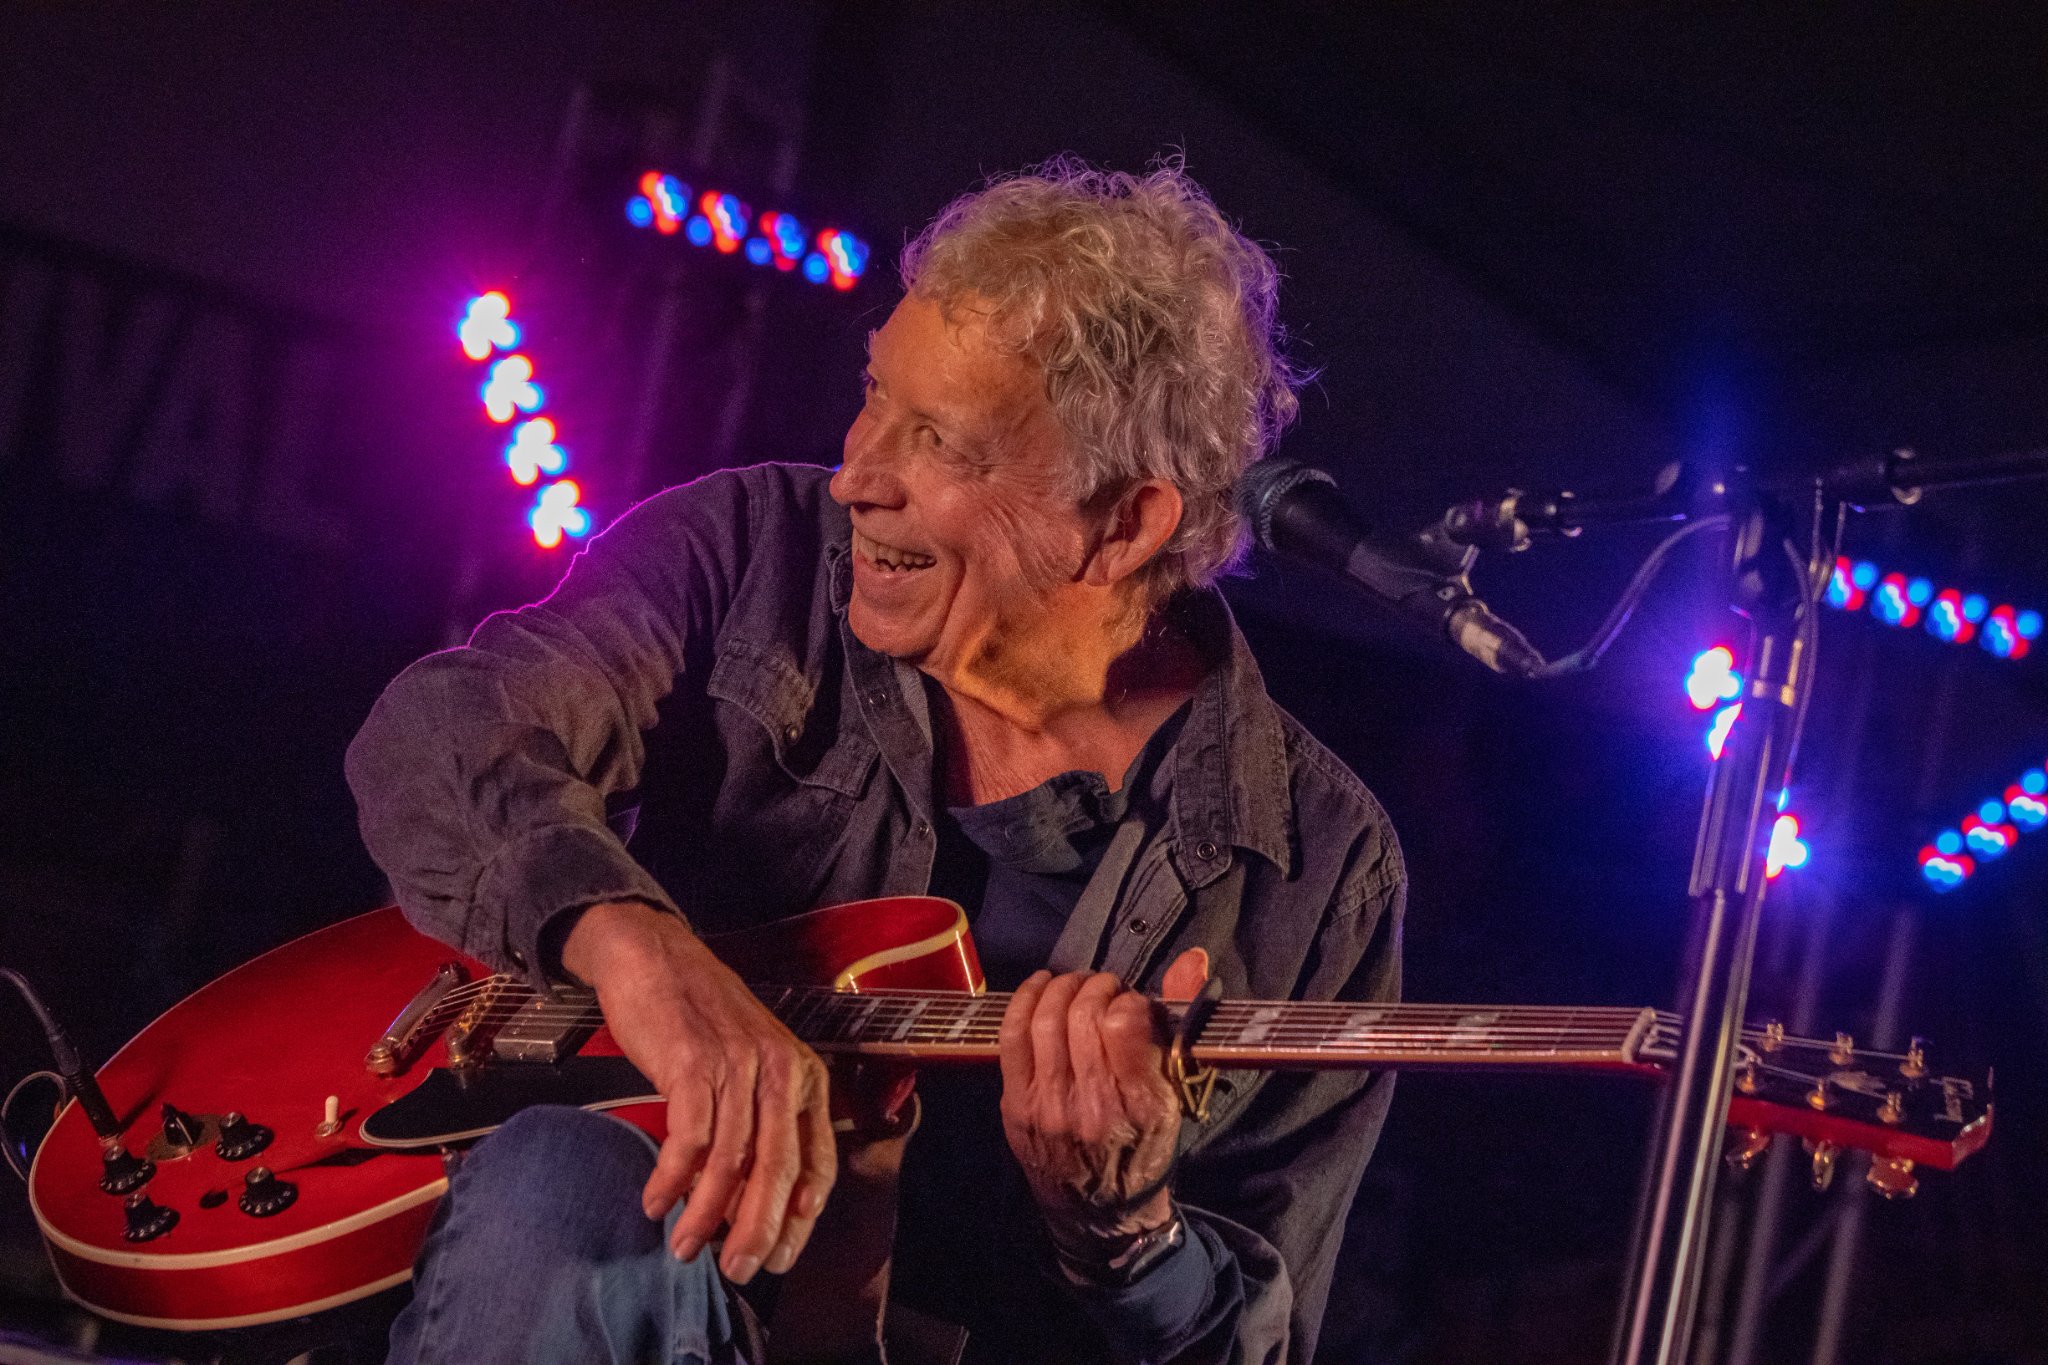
<point x="1130" y="1262"/>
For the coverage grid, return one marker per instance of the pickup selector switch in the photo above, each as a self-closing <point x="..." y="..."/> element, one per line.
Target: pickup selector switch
<point x="182" y="1131"/>
<point x="147" y="1219"/>
<point x="240" y="1139"/>
<point x="263" y="1194"/>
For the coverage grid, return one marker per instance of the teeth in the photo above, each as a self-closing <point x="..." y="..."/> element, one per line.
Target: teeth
<point x="889" y="556"/>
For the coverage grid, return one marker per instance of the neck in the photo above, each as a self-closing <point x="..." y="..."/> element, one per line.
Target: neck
<point x="1090" y="704"/>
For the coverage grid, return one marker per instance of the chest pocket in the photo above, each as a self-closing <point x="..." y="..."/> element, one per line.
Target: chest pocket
<point x="806" y="738"/>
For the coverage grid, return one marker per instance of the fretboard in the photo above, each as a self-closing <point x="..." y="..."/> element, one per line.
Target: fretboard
<point x="954" y="1026"/>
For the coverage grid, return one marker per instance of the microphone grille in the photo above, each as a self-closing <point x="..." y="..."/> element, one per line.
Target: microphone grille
<point x="1265" y="486"/>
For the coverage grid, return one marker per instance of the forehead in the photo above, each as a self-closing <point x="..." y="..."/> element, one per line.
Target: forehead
<point x="939" y="360"/>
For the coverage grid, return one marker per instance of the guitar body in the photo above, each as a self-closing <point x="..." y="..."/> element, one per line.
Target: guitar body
<point x="275" y="1039"/>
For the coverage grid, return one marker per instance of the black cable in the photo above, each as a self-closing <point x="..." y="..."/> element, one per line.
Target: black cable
<point x="77" y="1078"/>
<point x="1589" y="654"/>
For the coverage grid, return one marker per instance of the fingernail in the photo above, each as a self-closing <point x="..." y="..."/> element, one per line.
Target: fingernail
<point x="781" y="1259"/>
<point x="688" y="1248"/>
<point x="743" y="1269"/>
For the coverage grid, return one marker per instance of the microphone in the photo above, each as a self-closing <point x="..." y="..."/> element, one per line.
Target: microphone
<point x="1296" y="512"/>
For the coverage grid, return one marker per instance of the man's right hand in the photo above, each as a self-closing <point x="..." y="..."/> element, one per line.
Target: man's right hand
<point x="749" y="1127"/>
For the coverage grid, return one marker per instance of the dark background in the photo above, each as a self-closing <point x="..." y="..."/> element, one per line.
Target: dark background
<point x="247" y="480"/>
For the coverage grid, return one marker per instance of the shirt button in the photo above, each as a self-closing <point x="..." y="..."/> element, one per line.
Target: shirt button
<point x="1205" y="850"/>
<point x="1140" y="926"/>
<point x="791" y="731"/>
<point x="922" y="829"/>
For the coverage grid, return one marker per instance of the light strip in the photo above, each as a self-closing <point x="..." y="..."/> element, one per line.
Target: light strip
<point x="1949" y="614"/>
<point x="1713" y="685"/>
<point x="510" y="390"/>
<point x="725" y="223"/>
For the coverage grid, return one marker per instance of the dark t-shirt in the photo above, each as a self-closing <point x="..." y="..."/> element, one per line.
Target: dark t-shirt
<point x="1018" y="866"/>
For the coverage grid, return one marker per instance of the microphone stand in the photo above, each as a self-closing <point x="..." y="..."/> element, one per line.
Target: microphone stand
<point x="1726" y="888"/>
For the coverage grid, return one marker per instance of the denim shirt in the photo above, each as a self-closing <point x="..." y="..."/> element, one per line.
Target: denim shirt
<point x="693" y="680"/>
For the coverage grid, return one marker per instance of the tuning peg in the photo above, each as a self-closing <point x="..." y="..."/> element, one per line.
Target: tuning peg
<point x="1745" y="1076"/>
<point x="1844" y="1050"/>
<point x="1749" y="1144"/>
<point x="1892" y="1177"/>
<point x="1824" y="1154"/>
<point x="1817" y="1098"/>
<point x="1915" y="1064"/>
<point x="1774" y="1037"/>
<point x="1893" y="1110"/>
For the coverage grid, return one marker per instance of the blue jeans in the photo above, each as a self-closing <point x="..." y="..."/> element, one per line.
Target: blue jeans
<point x="540" y="1253"/>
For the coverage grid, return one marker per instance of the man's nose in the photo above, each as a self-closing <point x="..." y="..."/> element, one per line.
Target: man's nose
<point x="867" y="474"/>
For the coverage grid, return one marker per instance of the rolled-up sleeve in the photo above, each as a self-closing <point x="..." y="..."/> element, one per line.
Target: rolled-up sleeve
<point x="482" y="773"/>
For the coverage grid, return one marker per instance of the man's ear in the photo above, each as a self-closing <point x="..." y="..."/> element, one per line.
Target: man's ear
<point x="1136" y="529"/>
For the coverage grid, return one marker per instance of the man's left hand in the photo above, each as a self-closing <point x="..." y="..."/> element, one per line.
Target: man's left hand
<point x="1087" y="1105"/>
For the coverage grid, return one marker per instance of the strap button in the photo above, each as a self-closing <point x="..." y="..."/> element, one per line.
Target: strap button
<point x="1206" y="850"/>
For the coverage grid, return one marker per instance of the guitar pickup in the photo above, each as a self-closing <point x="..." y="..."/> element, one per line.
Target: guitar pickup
<point x="408" y="1035"/>
<point x="547" y="1028"/>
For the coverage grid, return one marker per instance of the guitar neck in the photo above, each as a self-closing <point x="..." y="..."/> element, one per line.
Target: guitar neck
<point x="928" y="1026"/>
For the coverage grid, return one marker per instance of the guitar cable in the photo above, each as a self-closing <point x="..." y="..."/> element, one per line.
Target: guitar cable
<point x="71" y="1074"/>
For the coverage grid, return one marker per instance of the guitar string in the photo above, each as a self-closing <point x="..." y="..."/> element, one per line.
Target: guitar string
<point x="520" y="999"/>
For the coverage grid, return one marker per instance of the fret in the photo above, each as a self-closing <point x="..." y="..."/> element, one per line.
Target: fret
<point x="914" y="1011"/>
<point x="1359" y="1025"/>
<point x="1473" y="1030"/>
<point x="1255" y="1030"/>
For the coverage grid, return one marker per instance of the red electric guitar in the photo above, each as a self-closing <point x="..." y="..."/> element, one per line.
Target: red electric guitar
<point x="283" y="1128"/>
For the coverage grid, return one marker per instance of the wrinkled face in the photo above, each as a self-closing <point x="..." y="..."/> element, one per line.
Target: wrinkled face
<point x="964" y="547"/>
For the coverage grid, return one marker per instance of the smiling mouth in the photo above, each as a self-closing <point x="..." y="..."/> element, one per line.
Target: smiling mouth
<point x="890" y="558"/>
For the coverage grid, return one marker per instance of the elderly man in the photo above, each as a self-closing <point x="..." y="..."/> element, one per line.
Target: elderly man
<point x="984" y="659"/>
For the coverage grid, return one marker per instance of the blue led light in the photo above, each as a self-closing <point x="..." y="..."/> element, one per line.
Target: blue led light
<point x="817" y="269"/>
<point x="639" y="212"/>
<point x="1864" y="575"/>
<point x="1949" y="842"/>
<point x="1919" y="592"/>
<point x="759" y="251"/>
<point x="1974" y="607"/>
<point x="2034" y="781"/>
<point x="2028" y="624"/>
<point x="698" y="230"/>
<point x="1992" y="812"/>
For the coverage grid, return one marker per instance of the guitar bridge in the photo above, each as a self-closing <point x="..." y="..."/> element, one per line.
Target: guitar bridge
<point x="408" y="1037"/>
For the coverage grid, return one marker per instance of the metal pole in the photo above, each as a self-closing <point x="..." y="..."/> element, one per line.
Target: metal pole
<point x="1726" y="892"/>
<point x="1884" y="1031"/>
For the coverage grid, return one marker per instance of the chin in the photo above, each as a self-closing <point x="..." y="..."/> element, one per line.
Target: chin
<point x="882" y="634"/>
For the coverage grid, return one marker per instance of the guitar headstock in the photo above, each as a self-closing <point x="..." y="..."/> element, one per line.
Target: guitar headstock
<point x="1836" y="1097"/>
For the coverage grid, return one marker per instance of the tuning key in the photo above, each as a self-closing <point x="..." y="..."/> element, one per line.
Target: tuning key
<point x="1915" y="1064"/>
<point x="1749" y="1144"/>
<point x="1745" y="1076"/>
<point x="1892" y="1177"/>
<point x="1824" y="1154"/>
<point x="1893" y="1110"/>
<point x="1774" y="1037"/>
<point x="1844" y="1050"/>
<point x="1817" y="1098"/>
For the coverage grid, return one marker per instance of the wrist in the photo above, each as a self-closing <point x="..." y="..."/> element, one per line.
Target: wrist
<point x="603" y="935"/>
<point x="1118" y="1261"/>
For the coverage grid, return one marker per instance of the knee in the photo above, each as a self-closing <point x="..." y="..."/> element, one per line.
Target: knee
<point x="561" y="1156"/>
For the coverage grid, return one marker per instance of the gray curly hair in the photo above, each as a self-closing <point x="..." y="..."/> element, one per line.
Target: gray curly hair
<point x="1154" y="321"/>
